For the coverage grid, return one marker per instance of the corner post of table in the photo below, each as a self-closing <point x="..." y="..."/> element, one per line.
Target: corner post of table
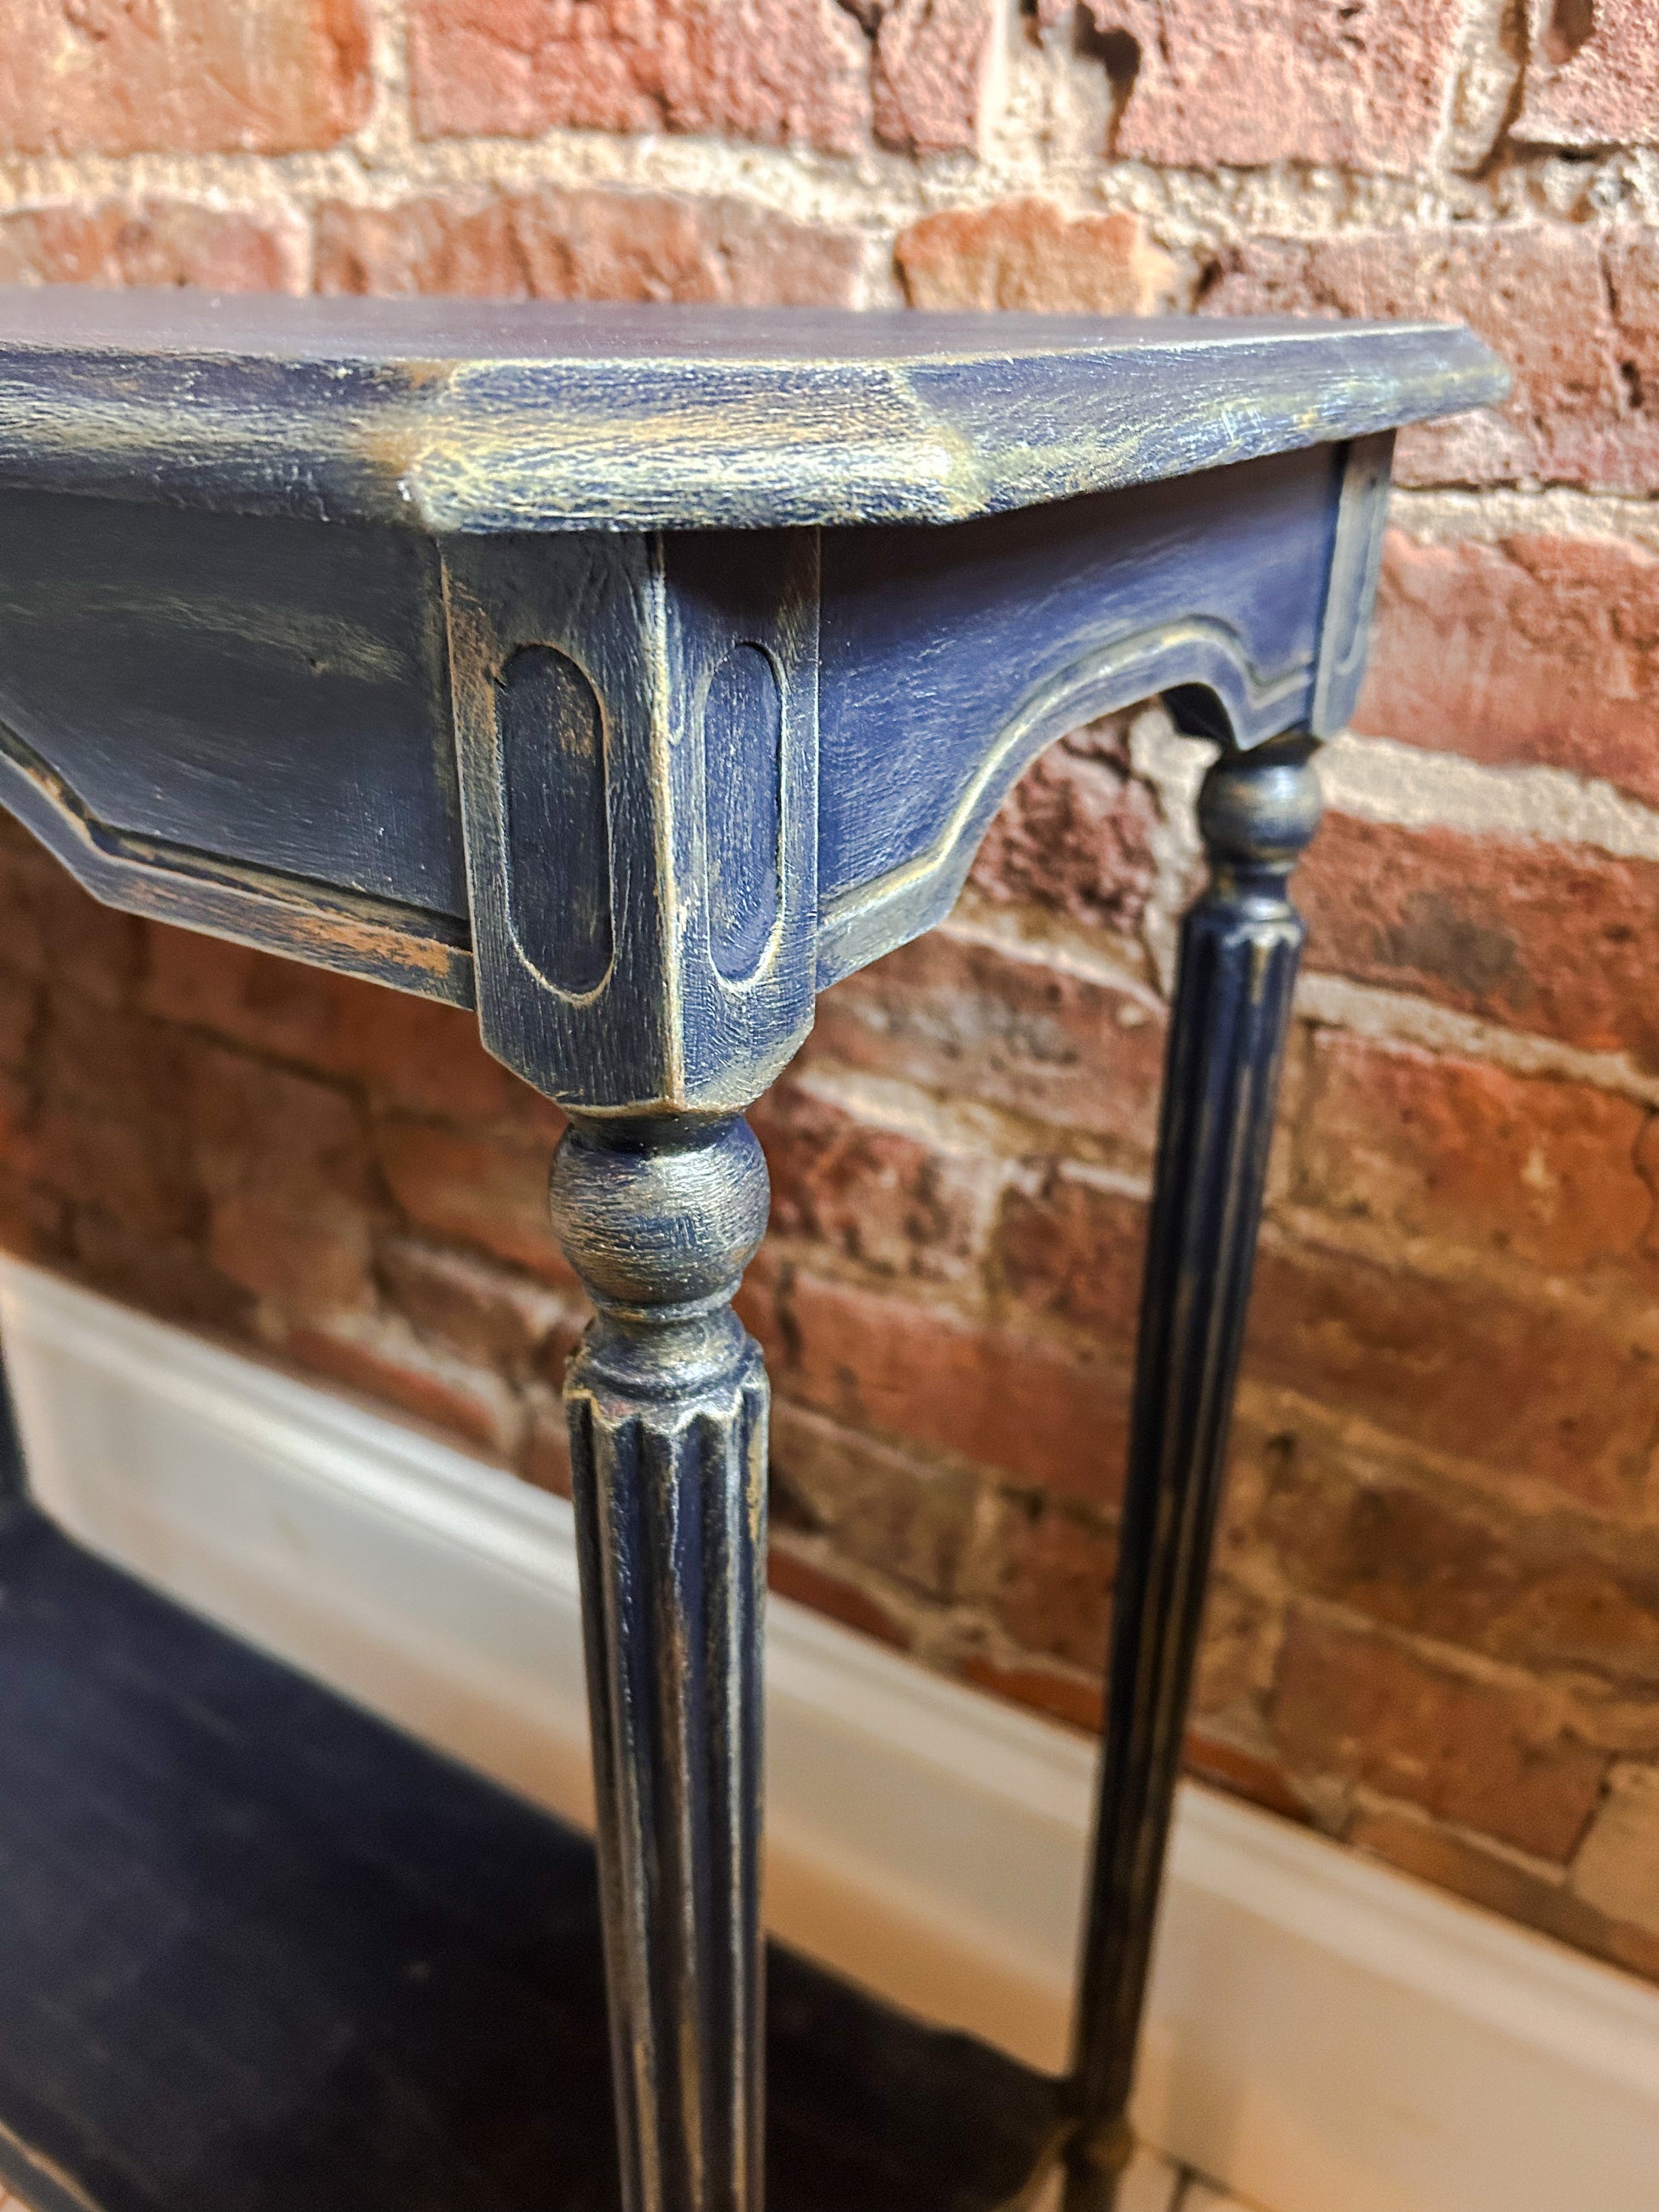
<point x="667" y="1407"/>
<point x="1239" y="950"/>
<point x="636" y="740"/>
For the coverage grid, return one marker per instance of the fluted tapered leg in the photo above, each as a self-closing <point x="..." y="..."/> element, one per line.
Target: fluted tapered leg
<point x="667" y="1407"/>
<point x="1239" y="950"/>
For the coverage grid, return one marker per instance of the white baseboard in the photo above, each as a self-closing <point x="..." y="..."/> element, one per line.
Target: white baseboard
<point x="1325" y="2036"/>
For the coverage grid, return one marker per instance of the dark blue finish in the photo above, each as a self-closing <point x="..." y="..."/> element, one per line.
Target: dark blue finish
<point x="702" y="652"/>
<point x="950" y="657"/>
<point x="223" y="689"/>
<point x="553" y="796"/>
<point x="472" y="418"/>
<point x="744" y="833"/>
<point x="709" y="771"/>
<point x="1351" y="591"/>
<point x="743" y="802"/>
<point x="1239" y="945"/>
<point x="271" y="692"/>
<point x="658" y="628"/>
<point x="667" y="1399"/>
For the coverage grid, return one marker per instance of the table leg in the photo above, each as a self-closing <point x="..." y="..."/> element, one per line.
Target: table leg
<point x="667" y="1407"/>
<point x="1239" y="950"/>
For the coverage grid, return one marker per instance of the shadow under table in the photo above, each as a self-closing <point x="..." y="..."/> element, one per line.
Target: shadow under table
<point x="260" y="1950"/>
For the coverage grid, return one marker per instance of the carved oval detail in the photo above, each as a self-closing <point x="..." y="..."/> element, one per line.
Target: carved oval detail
<point x="558" y="833"/>
<point x="743" y="800"/>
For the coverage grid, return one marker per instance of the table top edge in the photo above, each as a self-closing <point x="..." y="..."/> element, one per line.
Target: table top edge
<point x="674" y="417"/>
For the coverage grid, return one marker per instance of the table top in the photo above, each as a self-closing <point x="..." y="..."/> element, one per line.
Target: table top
<point x="460" y="416"/>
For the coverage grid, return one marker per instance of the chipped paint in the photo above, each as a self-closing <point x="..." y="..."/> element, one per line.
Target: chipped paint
<point x="553" y="417"/>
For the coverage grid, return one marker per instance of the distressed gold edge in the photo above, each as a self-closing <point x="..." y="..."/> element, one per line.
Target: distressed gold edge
<point x="859" y="924"/>
<point x="349" y="932"/>
<point x="408" y="462"/>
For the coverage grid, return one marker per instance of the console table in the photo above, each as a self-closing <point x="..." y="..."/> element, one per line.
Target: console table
<point x="631" y="675"/>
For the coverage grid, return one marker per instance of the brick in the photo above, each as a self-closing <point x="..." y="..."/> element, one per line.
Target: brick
<point x="808" y="1581"/>
<point x="1045" y="1417"/>
<point x="33" y="1222"/>
<point x="1617" y="1867"/>
<point x="1535" y="1392"/>
<point x="484" y="1313"/>
<point x="1064" y="1693"/>
<point x="197" y="76"/>
<point x="20" y="1021"/>
<point x="1030" y="254"/>
<point x="150" y="242"/>
<point x="785" y="72"/>
<point x="556" y="244"/>
<point x="285" y="1163"/>
<point x="109" y="1129"/>
<point x="1537" y="650"/>
<point x="881" y="1508"/>
<point x="1592" y="76"/>
<point x="1408" y="1551"/>
<point x="1584" y="408"/>
<point x="1582" y="1612"/>
<point x="48" y="924"/>
<point x="1044" y="1579"/>
<point x="1237" y="83"/>
<point x="1494" y="1881"/>
<point x="1075" y="1696"/>
<point x="25" y="869"/>
<point x="893" y="1205"/>
<point x="980" y="1021"/>
<point x="1491" y="1758"/>
<point x="411" y="1053"/>
<point x="1242" y="1773"/>
<point x="18" y="1104"/>
<point x="759" y="1302"/>
<point x="1631" y="261"/>
<point x="1072" y="1250"/>
<point x="483" y="1188"/>
<point x="935" y="65"/>
<point x="91" y="1156"/>
<point x="1558" y="940"/>
<point x="102" y="1057"/>
<point x="543" y="1458"/>
<point x="380" y="1356"/>
<point x="1542" y="1170"/>
<point x="1240" y="1646"/>
<point x="92" y="952"/>
<point x="305" y="1260"/>
<point x="272" y="1127"/>
<point x="1075" y="837"/>
<point x="1043" y="1572"/>
<point x="170" y="1277"/>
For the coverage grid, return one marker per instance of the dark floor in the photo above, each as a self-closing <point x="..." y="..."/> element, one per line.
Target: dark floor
<point x="258" y="1950"/>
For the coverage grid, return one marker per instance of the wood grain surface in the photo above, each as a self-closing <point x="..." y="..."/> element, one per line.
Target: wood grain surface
<point x="468" y="419"/>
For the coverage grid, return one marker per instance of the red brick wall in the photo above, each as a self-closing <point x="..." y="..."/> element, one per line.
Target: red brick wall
<point x="1435" y="1626"/>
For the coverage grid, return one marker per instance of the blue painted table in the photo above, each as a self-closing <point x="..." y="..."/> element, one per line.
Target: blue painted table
<point x="631" y="675"/>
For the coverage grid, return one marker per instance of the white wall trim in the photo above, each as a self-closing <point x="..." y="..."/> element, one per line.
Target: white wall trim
<point x="1326" y="2036"/>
